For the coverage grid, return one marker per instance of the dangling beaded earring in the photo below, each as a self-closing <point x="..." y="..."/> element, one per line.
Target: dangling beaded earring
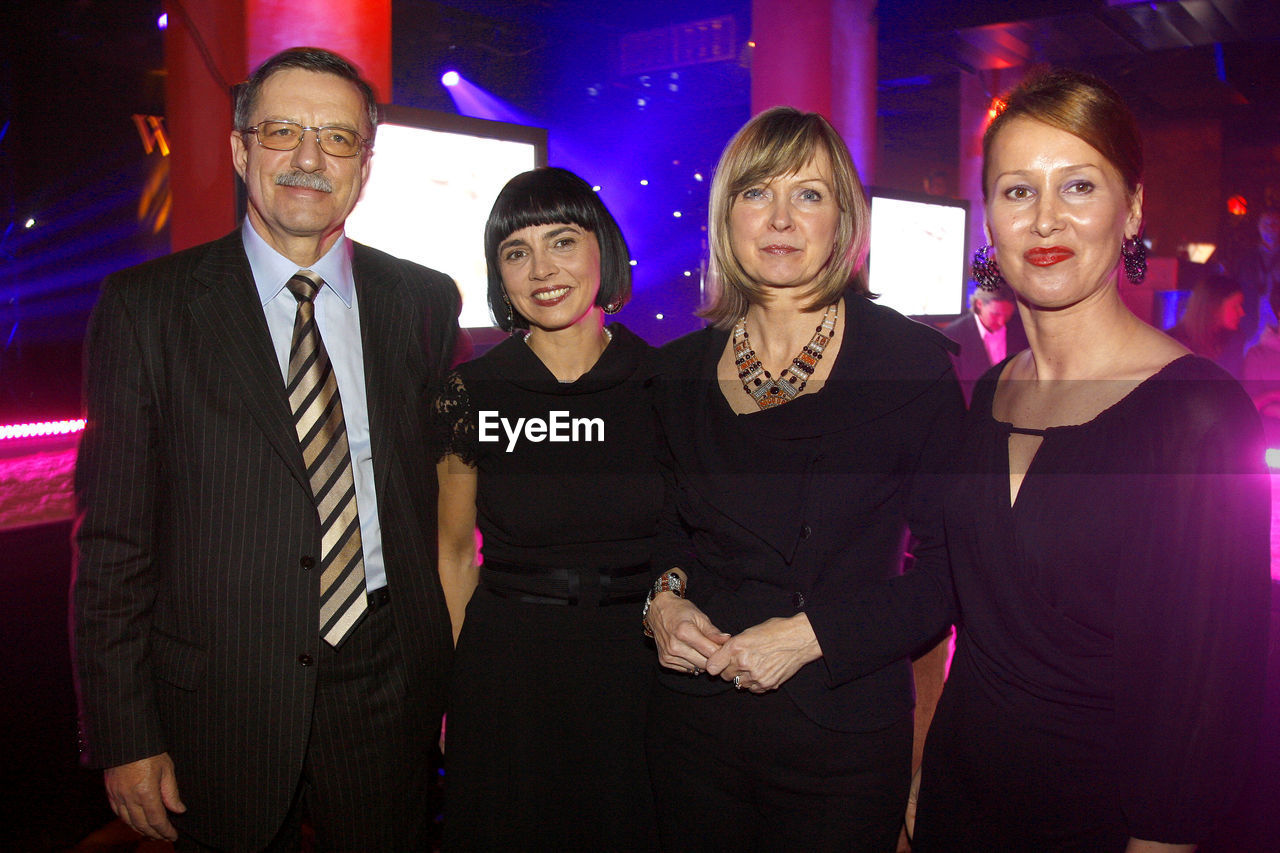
<point x="985" y="270"/>
<point x="1134" y="254"/>
<point x="511" y="315"/>
<point x="613" y="307"/>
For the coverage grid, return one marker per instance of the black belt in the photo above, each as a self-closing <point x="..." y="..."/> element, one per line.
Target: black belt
<point x="567" y="587"/>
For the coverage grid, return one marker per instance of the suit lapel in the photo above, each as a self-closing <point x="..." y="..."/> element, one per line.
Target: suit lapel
<point x="229" y="312"/>
<point x="385" y="332"/>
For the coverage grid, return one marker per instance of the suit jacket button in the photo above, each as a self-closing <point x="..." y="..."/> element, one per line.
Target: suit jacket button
<point x="805" y="531"/>
<point x="307" y="562"/>
<point x="306" y="660"/>
<point x="797" y="600"/>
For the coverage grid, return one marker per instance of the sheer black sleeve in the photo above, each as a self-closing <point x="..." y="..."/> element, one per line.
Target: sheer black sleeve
<point x="454" y="422"/>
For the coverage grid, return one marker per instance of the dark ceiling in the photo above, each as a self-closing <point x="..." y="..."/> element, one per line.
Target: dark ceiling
<point x="1187" y="58"/>
<point x="1173" y="58"/>
<point x="1201" y="59"/>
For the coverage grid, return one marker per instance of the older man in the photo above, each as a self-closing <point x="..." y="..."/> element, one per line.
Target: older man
<point x="259" y="632"/>
<point x="987" y="333"/>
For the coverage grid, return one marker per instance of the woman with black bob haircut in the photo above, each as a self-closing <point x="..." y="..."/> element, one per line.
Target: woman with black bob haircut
<point x="549" y="195"/>
<point x="806" y="433"/>
<point x="547" y="444"/>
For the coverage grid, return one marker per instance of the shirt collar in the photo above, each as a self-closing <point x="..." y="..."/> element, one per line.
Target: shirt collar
<point x="984" y="332"/>
<point x="272" y="270"/>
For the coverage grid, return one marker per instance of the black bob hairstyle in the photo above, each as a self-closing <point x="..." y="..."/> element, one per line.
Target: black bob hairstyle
<point x="544" y="197"/>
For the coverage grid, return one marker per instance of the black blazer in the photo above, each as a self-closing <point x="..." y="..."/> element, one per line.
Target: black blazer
<point x="807" y="506"/>
<point x="192" y="611"/>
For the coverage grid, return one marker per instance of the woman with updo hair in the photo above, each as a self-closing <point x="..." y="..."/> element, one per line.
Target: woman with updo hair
<point x="1109" y="531"/>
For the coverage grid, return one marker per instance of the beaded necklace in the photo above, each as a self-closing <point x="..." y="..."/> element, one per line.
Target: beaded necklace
<point x="762" y="387"/>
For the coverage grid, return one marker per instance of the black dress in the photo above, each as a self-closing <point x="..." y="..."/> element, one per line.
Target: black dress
<point x="544" y="744"/>
<point x="1108" y="674"/>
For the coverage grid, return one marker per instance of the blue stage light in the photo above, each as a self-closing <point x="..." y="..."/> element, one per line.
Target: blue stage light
<point x="450" y="78"/>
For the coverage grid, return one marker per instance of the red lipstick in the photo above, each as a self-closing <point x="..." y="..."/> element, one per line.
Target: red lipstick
<point x="1048" y="257"/>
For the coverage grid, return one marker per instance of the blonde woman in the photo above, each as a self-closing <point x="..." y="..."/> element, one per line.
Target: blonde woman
<point x="805" y="433"/>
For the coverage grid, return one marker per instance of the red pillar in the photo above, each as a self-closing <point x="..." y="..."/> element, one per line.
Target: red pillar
<point x="791" y="61"/>
<point x="360" y="30"/>
<point x="198" y="112"/>
<point x="819" y="56"/>
<point x="213" y="44"/>
<point x="854" y="75"/>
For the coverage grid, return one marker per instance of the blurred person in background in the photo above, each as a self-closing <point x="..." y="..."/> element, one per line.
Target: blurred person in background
<point x="1211" y="323"/>
<point x="987" y="333"/>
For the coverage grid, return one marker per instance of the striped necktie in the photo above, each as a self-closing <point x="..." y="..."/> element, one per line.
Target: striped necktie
<point x="322" y="433"/>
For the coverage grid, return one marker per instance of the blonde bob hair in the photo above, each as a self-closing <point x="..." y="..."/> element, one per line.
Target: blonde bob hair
<point x="781" y="141"/>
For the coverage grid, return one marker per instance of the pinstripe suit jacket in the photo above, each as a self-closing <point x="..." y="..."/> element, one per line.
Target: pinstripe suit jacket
<point x="192" y="610"/>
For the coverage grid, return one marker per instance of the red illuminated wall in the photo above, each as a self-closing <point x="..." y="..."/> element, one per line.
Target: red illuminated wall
<point x="210" y="46"/>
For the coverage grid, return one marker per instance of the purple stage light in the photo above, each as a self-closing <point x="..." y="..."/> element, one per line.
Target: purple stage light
<point x="450" y="78"/>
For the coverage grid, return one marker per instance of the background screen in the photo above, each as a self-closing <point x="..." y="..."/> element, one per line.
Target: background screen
<point x="433" y="180"/>
<point x="917" y="261"/>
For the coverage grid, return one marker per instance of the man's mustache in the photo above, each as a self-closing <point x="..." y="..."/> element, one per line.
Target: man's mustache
<point x="306" y="180"/>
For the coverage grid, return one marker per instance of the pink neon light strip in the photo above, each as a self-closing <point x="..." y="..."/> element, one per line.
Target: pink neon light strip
<point x="43" y="428"/>
<point x="40" y="429"/>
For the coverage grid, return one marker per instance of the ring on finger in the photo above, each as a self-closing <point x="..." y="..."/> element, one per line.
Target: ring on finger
<point x="737" y="682"/>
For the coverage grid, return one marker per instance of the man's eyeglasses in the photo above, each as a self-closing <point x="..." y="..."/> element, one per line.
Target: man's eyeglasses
<point x="287" y="135"/>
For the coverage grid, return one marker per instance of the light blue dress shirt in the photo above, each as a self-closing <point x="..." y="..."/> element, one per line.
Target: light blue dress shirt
<point x="338" y="316"/>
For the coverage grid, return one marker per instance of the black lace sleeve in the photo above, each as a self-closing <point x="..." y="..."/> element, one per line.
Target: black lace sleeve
<point x="454" y="423"/>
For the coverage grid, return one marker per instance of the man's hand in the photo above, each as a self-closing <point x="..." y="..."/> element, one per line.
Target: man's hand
<point x="143" y="792"/>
